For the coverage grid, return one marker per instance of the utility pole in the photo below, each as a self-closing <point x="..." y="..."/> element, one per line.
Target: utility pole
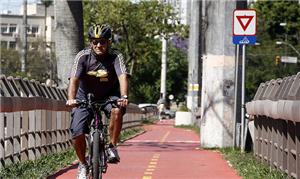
<point x="194" y="57"/>
<point x="163" y="77"/>
<point x="47" y="56"/>
<point x="218" y="73"/>
<point x="24" y="42"/>
<point x="163" y="68"/>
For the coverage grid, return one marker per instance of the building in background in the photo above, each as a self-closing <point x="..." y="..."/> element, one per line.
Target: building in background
<point x="183" y="8"/>
<point x="40" y="27"/>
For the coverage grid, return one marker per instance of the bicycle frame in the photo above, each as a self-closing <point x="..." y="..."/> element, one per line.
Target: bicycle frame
<point x="97" y="124"/>
<point x="98" y="136"/>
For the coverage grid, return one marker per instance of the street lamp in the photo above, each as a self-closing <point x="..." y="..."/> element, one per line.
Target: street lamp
<point x="283" y="24"/>
<point x="290" y="45"/>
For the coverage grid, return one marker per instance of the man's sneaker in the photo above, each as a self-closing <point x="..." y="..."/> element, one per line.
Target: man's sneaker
<point x="113" y="156"/>
<point x="82" y="171"/>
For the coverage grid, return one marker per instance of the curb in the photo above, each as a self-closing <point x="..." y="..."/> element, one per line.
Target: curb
<point x="135" y="135"/>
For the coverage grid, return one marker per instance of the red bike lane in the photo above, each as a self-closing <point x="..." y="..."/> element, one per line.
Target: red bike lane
<point x="164" y="152"/>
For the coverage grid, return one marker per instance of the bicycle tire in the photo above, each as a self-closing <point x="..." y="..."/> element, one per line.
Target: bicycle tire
<point x="96" y="173"/>
<point x="103" y="144"/>
<point x="103" y="165"/>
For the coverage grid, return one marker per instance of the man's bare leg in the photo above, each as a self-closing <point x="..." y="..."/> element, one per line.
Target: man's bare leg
<point x="80" y="147"/>
<point x="114" y="130"/>
<point x="115" y="126"/>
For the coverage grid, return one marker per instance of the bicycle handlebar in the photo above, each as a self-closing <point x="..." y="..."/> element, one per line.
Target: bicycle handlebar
<point x="101" y="103"/>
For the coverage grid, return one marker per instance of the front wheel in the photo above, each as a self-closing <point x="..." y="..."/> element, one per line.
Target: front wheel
<point x="96" y="155"/>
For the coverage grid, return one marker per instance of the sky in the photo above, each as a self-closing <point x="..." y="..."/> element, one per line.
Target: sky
<point x="14" y="5"/>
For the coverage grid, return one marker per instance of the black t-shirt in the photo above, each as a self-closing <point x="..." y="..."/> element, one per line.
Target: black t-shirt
<point x="87" y="67"/>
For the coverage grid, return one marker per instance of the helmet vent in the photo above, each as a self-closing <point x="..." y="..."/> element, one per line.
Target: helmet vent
<point x="100" y="31"/>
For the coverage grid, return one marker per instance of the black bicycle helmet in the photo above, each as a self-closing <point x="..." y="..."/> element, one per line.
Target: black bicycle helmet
<point x="100" y="31"/>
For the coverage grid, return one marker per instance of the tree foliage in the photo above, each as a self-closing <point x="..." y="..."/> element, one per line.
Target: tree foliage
<point x="137" y="29"/>
<point x="10" y="61"/>
<point x="38" y="67"/>
<point x="261" y="65"/>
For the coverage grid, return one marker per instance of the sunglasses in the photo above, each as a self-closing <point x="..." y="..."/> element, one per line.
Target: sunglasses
<point x="97" y="41"/>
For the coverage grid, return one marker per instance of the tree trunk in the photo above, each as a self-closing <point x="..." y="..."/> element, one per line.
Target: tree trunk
<point x="68" y="36"/>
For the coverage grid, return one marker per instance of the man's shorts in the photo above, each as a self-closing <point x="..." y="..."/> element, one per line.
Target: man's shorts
<point x="81" y="118"/>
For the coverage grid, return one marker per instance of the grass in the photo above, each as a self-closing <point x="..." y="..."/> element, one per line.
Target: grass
<point x="130" y="133"/>
<point x="49" y="164"/>
<point x="150" y="120"/>
<point x="248" y="166"/>
<point x="39" y="168"/>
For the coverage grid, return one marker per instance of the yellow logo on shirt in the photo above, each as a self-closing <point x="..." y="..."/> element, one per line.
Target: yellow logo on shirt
<point x="102" y="74"/>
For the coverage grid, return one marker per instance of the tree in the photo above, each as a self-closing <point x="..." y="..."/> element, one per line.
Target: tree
<point x="37" y="65"/>
<point x="10" y="61"/>
<point x="261" y="65"/>
<point x="68" y="36"/>
<point x="138" y="28"/>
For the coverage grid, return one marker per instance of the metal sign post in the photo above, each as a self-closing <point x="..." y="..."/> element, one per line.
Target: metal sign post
<point x="243" y="96"/>
<point x="244" y="33"/>
<point x="236" y="94"/>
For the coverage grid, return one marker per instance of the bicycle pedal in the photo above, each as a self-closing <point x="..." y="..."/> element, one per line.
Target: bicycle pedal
<point x="114" y="161"/>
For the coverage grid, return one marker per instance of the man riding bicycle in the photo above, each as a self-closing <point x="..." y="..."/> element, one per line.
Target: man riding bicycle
<point x="100" y="70"/>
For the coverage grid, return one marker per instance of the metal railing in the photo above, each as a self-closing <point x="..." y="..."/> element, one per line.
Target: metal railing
<point x="34" y="120"/>
<point x="276" y="112"/>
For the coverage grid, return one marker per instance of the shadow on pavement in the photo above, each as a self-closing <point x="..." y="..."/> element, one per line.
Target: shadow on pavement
<point x="157" y="147"/>
<point x="64" y="170"/>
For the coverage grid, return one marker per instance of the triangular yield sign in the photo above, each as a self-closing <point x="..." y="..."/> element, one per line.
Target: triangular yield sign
<point x="244" y="26"/>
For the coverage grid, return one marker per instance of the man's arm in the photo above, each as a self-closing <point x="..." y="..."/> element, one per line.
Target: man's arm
<point x="121" y="72"/>
<point x="78" y="70"/>
<point x="123" y="80"/>
<point x="72" y="90"/>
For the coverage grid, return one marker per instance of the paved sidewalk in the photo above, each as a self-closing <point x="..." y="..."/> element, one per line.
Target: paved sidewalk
<point x="164" y="152"/>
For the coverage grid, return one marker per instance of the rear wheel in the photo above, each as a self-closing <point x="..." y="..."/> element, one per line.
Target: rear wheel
<point x="96" y="173"/>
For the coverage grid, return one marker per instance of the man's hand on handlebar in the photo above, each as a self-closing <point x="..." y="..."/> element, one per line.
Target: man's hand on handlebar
<point x="71" y="103"/>
<point x="123" y="102"/>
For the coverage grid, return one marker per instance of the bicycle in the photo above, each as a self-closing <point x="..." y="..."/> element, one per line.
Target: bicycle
<point x="98" y="135"/>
